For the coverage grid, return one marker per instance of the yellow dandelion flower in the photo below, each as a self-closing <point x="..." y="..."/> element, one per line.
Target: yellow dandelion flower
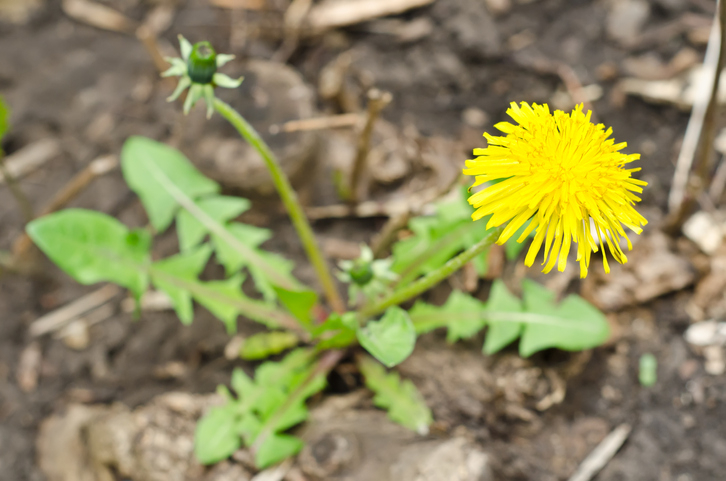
<point x="563" y="172"/>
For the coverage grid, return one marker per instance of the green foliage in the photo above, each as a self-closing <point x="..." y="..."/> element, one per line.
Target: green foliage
<point x="401" y="398"/>
<point x="648" y="370"/>
<point x="4" y="118"/>
<point x="299" y="304"/>
<point x="437" y="238"/>
<point x="391" y="339"/>
<point x="170" y="186"/>
<point x="93" y="247"/>
<point x="263" y="409"/>
<point x="338" y="331"/>
<point x="266" y="344"/>
<point x="572" y="325"/>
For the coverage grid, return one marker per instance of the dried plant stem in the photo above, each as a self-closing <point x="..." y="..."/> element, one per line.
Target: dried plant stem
<point x="377" y="100"/>
<point x="70" y="191"/>
<point x="705" y="162"/>
<point x="25" y="207"/>
<point x="702" y="120"/>
<point x="432" y="278"/>
<point x="289" y="199"/>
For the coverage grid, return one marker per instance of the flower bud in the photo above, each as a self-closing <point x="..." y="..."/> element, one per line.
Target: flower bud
<point x="361" y="273"/>
<point x="202" y="63"/>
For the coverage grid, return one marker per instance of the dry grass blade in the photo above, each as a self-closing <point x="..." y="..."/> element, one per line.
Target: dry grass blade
<point x="60" y="317"/>
<point x="704" y="102"/>
<point x="333" y="14"/>
<point x="30" y="158"/>
<point x="70" y="191"/>
<point x="99" y="16"/>
<point x="602" y="454"/>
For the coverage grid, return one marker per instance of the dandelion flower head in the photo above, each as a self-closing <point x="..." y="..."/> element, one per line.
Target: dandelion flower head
<point x="566" y="176"/>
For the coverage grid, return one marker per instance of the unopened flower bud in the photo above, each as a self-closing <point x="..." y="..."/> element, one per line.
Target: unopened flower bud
<point x="202" y="63"/>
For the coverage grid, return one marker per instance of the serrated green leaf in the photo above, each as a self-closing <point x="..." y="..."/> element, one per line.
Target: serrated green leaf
<point x="292" y="416"/>
<point x="275" y="448"/>
<point x="216" y="436"/>
<point x="572" y="325"/>
<point x="249" y="428"/>
<point x="225" y="312"/>
<point x="233" y="260"/>
<point x="152" y="168"/>
<point x="266" y="344"/>
<point x="437" y="238"/>
<point x="282" y="373"/>
<point x="404" y="403"/>
<point x="298" y="303"/>
<point x="336" y="332"/>
<point x="274" y="401"/>
<point x="220" y="208"/>
<point x="185" y="266"/>
<point x="4" y="118"/>
<point x="465" y="326"/>
<point x="241" y="383"/>
<point x="390" y="339"/>
<point x="93" y="247"/>
<point x="249" y="235"/>
<point x="501" y="333"/>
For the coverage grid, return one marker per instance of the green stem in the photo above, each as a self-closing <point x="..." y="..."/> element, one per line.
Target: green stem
<point x="432" y="278"/>
<point x="289" y="199"/>
<point x="255" y="310"/>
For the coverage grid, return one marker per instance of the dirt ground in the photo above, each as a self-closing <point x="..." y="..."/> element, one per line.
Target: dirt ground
<point x="452" y="67"/>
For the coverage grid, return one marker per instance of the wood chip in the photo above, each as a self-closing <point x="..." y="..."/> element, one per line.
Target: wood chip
<point x="30" y="158"/>
<point x="338" y="13"/>
<point x="98" y="15"/>
<point x="317" y="123"/>
<point x="61" y="317"/>
<point x="602" y="454"/>
<point x="239" y="4"/>
<point x="29" y="367"/>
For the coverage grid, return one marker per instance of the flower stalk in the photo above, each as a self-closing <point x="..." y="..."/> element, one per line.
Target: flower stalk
<point x="432" y="278"/>
<point x="289" y="199"/>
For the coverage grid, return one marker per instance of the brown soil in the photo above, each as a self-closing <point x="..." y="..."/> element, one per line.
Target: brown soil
<point x="91" y="89"/>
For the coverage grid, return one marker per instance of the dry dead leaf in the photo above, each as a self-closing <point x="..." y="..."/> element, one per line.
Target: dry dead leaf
<point x="98" y="15"/>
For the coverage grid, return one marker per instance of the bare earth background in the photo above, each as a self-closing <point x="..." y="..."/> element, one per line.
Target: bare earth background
<point x="452" y="67"/>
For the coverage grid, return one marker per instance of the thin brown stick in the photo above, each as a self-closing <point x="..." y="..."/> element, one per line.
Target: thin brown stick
<point x="25" y="207"/>
<point x="694" y="129"/>
<point x="602" y="454"/>
<point x="317" y="123"/>
<point x="574" y="86"/>
<point x="148" y="39"/>
<point x="719" y="182"/>
<point x="387" y="236"/>
<point x="295" y="16"/>
<point x="70" y="191"/>
<point x="58" y="318"/>
<point x="377" y="100"/>
<point x="705" y="161"/>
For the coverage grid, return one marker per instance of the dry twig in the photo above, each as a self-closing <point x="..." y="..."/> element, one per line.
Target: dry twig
<point x="602" y="454"/>
<point x="30" y="158"/>
<point x="703" y="103"/>
<point x="70" y="191"/>
<point x="317" y="123"/>
<point x="377" y="100"/>
<point x="333" y="14"/>
<point x="59" y="318"/>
